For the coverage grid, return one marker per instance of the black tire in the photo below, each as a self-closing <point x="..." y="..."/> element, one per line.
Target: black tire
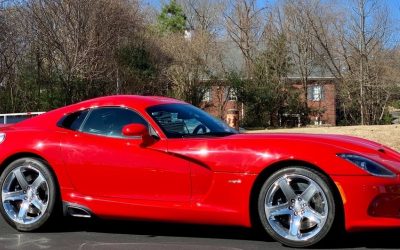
<point x="51" y="195"/>
<point x="301" y="208"/>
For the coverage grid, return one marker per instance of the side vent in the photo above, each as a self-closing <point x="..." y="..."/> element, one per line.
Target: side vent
<point x="76" y="211"/>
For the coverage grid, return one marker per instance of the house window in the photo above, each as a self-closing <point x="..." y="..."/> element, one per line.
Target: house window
<point x="315" y="93"/>
<point x="207" y="96"/>
<point x="232" y="95"/>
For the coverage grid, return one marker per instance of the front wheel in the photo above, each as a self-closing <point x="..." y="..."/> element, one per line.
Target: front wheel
<point x="296" y="206"/>
<point x="28" y="194"/>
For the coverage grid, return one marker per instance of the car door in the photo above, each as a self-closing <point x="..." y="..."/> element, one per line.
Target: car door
<point x="101" y="162"/>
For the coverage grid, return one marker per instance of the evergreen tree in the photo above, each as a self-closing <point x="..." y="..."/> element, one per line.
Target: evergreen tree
<point x="172" y="18"/>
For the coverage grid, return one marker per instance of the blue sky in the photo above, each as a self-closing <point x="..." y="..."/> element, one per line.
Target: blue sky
<point x="158" y="3"/>
<point x="394" y="5"/>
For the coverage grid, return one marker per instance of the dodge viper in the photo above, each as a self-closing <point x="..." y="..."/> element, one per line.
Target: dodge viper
<point x="161" y="159"/>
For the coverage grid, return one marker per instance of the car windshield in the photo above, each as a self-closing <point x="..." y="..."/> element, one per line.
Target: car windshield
<point x="184" y="120"/>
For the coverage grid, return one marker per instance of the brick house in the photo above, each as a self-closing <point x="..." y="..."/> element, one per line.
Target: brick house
<point x="321" y="99"/>
<point x="221" y="101"/>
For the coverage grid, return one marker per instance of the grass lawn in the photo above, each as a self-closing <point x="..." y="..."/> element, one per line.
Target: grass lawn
<point x="385" y="134"/>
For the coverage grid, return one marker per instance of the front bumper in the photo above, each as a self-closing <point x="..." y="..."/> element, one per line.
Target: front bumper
<point x="369" y="202"/>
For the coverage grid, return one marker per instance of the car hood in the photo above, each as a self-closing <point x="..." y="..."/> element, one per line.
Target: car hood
<point x="252" y="152"/>
<point x="345" y="143"/>
<point x="338" y="143"/>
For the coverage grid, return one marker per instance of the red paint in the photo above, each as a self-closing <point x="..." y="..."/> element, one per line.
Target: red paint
<point x="195" y="180"/>
<point x="134" y="130"/>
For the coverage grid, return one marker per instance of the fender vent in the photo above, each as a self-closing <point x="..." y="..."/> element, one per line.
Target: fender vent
<point x="78" y="212"/>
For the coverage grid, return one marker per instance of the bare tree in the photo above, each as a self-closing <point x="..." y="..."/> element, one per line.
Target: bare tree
<point x="371" y="39"/>
<point x="205" y="19"/>
<point x="301" y="42"/>
<point x="11" y="48"/>
<point x="189" y="71"/>
<point x="364" y="42"/>
<point x="322" y="21"/>
<point x="245" y="22"/>
<point x="79" y="37"/>
<point x="205" y="15"/>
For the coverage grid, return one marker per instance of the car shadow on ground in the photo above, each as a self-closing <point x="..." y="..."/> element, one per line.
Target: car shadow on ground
<point x="375" y="240"/>
<point x="154" y="229"/>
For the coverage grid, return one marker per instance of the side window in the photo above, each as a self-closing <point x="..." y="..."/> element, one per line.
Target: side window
<point x="73" y="121"/>
<point x="109" y="121"/>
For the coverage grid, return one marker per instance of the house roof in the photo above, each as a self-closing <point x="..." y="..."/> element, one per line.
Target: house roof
<point x="312" y="78"/>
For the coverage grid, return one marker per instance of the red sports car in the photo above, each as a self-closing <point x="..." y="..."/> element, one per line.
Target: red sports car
<point x="156" y="158"/>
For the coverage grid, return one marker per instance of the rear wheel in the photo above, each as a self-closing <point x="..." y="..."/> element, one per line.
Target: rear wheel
<point x="28" y="194"/>
<point x="296" y="206"/>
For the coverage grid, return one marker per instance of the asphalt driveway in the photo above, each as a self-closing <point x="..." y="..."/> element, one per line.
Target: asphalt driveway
<point x="98" y="235"/>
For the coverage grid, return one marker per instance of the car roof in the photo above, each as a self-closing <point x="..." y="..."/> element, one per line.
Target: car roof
<point x="139" y="103"/>
<point x="136" y="101"/>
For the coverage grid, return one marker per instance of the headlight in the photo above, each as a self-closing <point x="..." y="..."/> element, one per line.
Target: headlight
<point x="2" y="137"/>
<point x="368" y="165"/>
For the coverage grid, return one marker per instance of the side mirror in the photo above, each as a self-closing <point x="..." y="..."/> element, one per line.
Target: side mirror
<point x="135" y="129"/>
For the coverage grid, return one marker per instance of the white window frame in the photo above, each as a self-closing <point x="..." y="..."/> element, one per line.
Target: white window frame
<point x="316" y="93"/>
<point x="207" y="95"/>
<point x="232" y="95"/>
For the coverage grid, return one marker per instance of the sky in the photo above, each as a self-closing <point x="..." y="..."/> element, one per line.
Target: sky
<point x="159" y="3"/>
<point x="393" y="5"/>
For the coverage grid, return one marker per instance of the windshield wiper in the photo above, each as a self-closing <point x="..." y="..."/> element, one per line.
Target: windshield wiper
<point x="219" y="133"/>
<point x="209" y="134"/>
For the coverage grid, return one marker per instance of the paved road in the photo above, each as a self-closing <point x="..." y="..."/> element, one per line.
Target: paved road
<point x="108" y="235"/>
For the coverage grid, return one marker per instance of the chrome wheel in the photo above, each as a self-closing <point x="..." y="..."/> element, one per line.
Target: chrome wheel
<point x="296" y="207"/>
<point x="25" y="194"/>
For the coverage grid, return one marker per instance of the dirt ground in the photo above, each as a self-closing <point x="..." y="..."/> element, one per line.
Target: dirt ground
<point x="385" y="134"/>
